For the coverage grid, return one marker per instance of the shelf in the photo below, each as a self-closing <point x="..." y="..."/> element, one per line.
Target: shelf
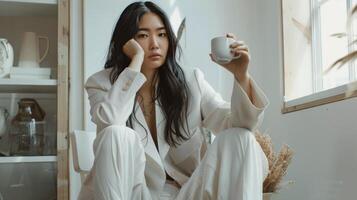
<point x="53" y="2"/>
<point x="27" y="159"/>
<point x="32" y="82"/>
<point x="28" y="7"/>
<point x="27" y="85"/>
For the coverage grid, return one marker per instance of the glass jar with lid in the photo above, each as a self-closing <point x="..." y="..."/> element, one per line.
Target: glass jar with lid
<point x="27" y="129"/>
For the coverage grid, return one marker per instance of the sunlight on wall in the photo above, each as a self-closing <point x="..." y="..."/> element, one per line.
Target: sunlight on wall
<point x="175" y="19"/>
<point x="172" y="2"/>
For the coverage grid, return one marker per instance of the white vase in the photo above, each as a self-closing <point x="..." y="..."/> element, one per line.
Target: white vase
<point x="6" y="57"/>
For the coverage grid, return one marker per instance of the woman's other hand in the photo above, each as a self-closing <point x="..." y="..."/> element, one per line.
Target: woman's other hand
<point x="132" y="48"/>
<point x="136" y="53"/>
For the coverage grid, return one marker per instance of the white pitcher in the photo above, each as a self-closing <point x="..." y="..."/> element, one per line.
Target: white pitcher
<point x="29" y="53"/>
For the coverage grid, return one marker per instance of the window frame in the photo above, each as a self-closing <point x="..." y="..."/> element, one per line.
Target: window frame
<point x="319" y="96"/>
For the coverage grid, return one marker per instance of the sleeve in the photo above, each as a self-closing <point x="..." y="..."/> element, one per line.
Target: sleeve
<point x="113" y="105"/>
<point x="218" y="114"/>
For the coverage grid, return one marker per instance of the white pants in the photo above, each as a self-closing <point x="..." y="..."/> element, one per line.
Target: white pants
<point x="234" y="167"/>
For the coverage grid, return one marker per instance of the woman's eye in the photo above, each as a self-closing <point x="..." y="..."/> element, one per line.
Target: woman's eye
<point x="142" y="35"/>
<point x="162" y="34"/>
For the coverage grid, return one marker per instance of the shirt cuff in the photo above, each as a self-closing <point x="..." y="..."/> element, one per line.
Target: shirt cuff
<point x="259" y="101"/>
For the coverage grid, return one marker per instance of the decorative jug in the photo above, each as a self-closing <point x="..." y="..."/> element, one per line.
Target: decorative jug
<point x="29" y="52"/>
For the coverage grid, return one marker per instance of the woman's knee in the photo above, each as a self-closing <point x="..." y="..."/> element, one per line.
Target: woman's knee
<point x="235" y="136"/>
<point x="117" y="130"/>
<point x="112" y="129"/>
<point x="119" y="133"/>
<point x="241" y="133"/>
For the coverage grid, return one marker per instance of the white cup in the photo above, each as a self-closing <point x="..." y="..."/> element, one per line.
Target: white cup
<point x="221" y="51"/>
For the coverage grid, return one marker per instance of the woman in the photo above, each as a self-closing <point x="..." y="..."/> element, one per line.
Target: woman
<point x="149" y="114"/>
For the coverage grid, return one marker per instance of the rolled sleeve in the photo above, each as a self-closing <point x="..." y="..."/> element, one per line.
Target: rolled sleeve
<point x="245" y="113"/>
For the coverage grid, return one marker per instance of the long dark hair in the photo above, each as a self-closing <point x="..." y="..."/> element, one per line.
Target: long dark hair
<point x="172" y="91"/>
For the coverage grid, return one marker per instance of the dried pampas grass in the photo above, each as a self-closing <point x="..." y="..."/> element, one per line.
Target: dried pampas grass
<point x="278" y="163"/>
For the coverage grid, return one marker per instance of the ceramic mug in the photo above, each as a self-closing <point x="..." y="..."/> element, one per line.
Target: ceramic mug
<point x="221" y="51"/>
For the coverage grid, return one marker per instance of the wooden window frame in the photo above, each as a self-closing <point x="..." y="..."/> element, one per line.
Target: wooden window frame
<point x="319" y="96"/>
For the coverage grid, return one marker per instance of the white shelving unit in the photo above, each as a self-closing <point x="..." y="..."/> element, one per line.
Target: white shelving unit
<point x="46" y="175"/>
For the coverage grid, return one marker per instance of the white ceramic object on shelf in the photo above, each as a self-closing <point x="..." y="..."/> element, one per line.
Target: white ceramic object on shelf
<point x="30" y="73"/>
<point x="6" y="57"/>
<point x="29" y="52"/>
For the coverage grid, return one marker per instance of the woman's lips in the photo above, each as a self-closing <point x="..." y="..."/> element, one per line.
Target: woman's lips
<point x="155" y="57"/>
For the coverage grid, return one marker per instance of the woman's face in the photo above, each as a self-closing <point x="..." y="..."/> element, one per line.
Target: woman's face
<point x="152" y="37"/>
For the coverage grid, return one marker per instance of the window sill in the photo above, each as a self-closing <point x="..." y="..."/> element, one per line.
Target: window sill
<point x="317" y="99"/>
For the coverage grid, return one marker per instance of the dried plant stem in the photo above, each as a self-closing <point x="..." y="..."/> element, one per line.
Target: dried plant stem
<point x="345" y="59"/>
<point x="351" y="56"/>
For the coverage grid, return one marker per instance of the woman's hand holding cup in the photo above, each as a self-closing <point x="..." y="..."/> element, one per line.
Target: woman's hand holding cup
<point x="231" y="54"/>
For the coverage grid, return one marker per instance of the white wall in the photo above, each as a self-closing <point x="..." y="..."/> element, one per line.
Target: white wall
<point x="324" y="138"/>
